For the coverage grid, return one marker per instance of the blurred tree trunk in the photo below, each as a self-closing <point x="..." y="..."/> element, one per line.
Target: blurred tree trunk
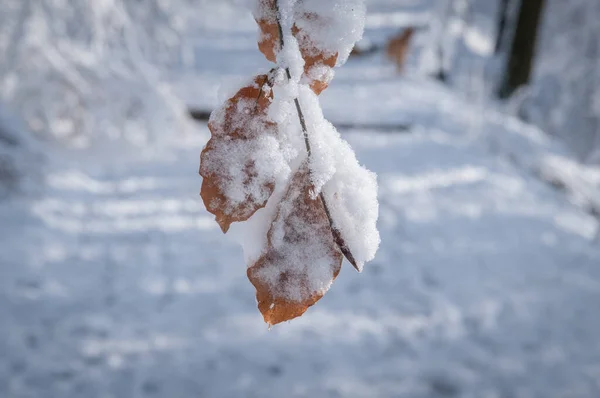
<point x="502" y="20"/>
<point x="450" y="11"/>
<point x="440" y="73"/>
<point x="520" y="60"/>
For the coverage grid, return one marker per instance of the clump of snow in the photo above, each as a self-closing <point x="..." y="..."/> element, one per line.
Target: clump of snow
<point x="318" y="72"/>
<point x="321" y="161"/>
<point x="264" y="10"/>
<point x="332" y="26"/>
<point x="352" y="199"/>
<point x="291" y="58"/>
<point x="350" y="190"/>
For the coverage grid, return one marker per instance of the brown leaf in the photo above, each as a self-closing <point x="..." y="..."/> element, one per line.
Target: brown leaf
<point x="268" y="41"/>
<point x="232" y="189"/>
<point x="315" y="59"/>
<point x="318" y="84"/>
<point x="301" y="259"/>
<point x="398" y="46"/>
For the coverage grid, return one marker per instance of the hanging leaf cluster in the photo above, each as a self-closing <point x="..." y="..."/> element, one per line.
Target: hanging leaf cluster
<point x="256" y="175"/>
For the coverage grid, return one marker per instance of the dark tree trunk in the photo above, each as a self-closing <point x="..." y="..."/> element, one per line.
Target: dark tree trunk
<point x="520" y="59"/>
<point x="502" y="20"/>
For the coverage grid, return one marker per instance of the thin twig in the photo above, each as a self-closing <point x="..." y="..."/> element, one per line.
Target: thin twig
<point x="289" y="76"/>
<point x="335" y="232"/>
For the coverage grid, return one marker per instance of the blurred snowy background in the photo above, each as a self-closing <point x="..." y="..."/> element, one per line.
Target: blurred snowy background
<point x="115" y="282"/>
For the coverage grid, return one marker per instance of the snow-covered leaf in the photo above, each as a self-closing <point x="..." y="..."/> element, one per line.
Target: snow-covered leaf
<point x="301" y="260"/>
<point x="238" y="164"/>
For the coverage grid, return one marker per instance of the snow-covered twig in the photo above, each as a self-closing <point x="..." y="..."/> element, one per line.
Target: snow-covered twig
<point x="339" y="240"/>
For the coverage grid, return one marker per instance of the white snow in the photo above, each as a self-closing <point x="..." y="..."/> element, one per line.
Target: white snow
<point x="350" y="190"/>
<point x="114" y="280"/>
<point x="333" y="26"/>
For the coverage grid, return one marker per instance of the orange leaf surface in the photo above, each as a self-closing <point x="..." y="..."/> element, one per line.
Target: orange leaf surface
<point x="301" y="259"/>
<point x="232" y="188"/>
<point x="268" y="41"/>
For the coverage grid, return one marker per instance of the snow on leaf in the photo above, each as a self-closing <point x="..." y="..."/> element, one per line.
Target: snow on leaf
<point x="301" y="259"/>
<point x="332" y="26"/>
<point x="351" y="197"/>
<point x="268" y="39"/>
<point x="240" y="162"/>
<point x="328" y="208"/>
<point x="265" y="15"/>
<point x="318" y="60"/>
<point x="318" y="63"/>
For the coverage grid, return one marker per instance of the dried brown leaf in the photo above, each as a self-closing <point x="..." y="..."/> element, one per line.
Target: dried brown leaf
<point x="301" y="259"/>
<point x="398" y="47"/>
<point x="235" y="129"/>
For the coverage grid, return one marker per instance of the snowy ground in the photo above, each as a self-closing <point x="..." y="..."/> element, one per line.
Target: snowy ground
<point x="115" y="282"/>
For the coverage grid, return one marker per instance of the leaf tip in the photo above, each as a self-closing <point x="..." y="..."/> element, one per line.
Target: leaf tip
<point x="224" y="224"/>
